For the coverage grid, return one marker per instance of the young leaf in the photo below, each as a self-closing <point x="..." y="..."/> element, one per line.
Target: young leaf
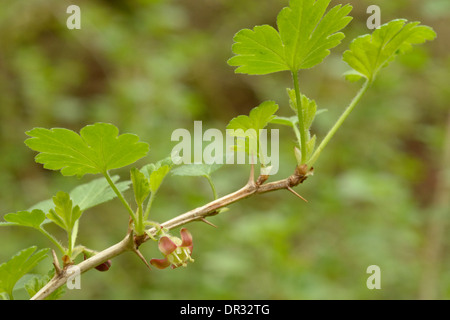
<point x="64" y="214"/>
<point x="370" y="53"/>
<point x="31" y="219"/>
<point x="303" y="41"/>
<point x="258" y="118"/>
<point x="156" y="172"/>
<point x="250" y="126"/>
<point x="97" y="149"/>
<point x="308" y="107"/>
<point x="34" y="219"/>
<point x="19" y="265"/>
<point x="194" y="169"/>
<point x="157" y="177"/>
<point x="141" y="186"/>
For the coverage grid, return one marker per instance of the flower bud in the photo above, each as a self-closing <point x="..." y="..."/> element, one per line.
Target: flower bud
<point x="101" y="267"/>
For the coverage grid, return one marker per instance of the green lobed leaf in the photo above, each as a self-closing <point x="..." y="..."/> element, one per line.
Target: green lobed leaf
<point x="368" y="54"/>
<point x="31" y="219"/>
<point x="258" y="51"/>
<point x="305" y="36"/>
<point x="97" y="149"/>
<point x="64" y="214"/>
<point x="308" y="34"/>
<point x="19" y="265"/>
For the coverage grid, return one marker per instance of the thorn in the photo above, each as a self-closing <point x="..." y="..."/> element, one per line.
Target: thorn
<point x="56" y="263"/>
<point x="139" y="254"/>
<point x="292" y="190"/>
<point x="207" y="222"/>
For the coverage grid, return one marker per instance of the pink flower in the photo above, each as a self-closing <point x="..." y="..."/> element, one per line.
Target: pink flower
<point x="177" y="252"/>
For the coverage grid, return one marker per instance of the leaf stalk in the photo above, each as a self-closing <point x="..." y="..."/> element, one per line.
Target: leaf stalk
<point x="338" y="124"/>
<point x="120" y="196"/>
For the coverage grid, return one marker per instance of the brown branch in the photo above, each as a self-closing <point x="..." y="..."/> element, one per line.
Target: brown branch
<point x="61" y="278"/>
<point x="248" y="190"/>
<point x="131" y="243"/>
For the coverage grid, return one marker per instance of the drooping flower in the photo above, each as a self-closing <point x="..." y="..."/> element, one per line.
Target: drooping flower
<point x="177" y="252"/>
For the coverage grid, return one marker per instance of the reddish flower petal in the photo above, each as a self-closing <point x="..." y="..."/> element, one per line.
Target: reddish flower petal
<point x="160" y="263"/>
<point x="166" y="246"/>
<point x="186" y="238"/>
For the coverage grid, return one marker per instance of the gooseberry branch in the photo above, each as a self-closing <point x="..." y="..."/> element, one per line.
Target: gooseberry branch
<point x="131" y="242"/>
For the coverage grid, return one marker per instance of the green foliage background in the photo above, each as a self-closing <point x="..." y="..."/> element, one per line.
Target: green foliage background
<point x="152" y="66"/>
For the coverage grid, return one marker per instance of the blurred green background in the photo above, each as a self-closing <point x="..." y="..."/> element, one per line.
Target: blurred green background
<point x="379" y="196"/>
